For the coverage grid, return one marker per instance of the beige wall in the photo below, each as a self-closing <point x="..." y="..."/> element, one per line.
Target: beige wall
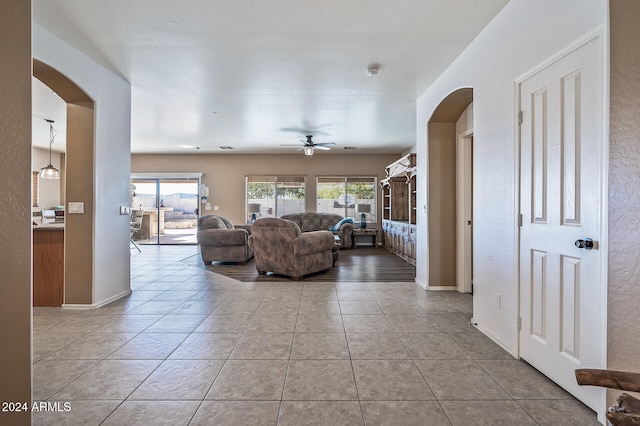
<point x="78" y="238"/>
<point x="15" y="203"/>
<point x="624" y="190"/>
<point x="442" y="204"/>
<point x="224" y="173"/>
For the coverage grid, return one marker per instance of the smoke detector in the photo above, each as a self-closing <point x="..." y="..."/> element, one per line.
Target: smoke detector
<point x="372" y="70"/>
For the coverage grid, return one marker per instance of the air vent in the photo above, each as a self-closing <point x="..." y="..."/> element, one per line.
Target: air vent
<point x="349" y="147"/>
<point x="226" y="147"/>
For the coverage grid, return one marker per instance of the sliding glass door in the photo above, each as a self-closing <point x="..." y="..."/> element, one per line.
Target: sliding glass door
<point x="170" y="209"/>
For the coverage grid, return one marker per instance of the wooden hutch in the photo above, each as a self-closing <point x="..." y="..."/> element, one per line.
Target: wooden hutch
<point x="399" y="208"/>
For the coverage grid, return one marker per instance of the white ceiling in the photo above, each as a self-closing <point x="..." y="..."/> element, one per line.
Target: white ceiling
<point x="255" y="74"/>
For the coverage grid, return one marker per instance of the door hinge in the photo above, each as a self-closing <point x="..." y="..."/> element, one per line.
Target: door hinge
<point x="520" y="115"/>
<point x="519" y="219"/>
<point x="519" y="323"/>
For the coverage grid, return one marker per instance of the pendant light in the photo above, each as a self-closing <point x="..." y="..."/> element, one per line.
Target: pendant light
<point x="308" y="150"/>
<point x="50" y="172"/>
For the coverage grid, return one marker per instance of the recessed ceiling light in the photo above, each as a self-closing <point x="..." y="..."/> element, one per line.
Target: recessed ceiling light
<point x="226" y="147"/>
<point x="372" y="69"/>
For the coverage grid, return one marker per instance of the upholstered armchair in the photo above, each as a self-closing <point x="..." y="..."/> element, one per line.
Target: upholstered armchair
<point x="220" y="240"/>
<point x="280" y="247"/>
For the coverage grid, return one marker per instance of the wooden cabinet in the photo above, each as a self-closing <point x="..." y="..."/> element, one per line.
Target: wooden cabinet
<point x="48" y="265"/>
<point x="399" y="208"/>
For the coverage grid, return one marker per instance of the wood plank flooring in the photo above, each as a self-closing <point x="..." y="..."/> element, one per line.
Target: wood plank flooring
<point x="363" y="264"/>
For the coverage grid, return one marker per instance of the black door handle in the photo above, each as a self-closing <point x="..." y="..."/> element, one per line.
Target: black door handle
<point x="586" y="244"/>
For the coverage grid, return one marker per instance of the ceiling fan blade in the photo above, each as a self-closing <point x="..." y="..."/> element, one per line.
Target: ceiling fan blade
<point x="324" y="144"/>
<point x="322" y="148"/>
<point x="290" y="144"/>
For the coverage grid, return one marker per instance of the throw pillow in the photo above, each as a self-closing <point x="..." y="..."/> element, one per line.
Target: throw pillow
<point x="337" y="226"/>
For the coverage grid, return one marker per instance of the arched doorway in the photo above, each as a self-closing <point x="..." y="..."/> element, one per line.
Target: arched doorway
<point x="450" y="192"/>
<point x="78" y="184"/>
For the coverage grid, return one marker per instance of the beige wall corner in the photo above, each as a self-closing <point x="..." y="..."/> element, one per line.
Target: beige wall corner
<point x="624" y="190"/>
<point x="15" y="205"/>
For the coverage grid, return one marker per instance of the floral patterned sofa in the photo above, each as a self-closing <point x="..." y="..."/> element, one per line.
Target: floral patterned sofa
<point x="280" y="247"/>
<point x="323" y="222"/>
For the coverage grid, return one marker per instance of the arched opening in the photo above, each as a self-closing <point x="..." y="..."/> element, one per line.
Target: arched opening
<point x="450" y="192"/>
<point x="78" y="184"/>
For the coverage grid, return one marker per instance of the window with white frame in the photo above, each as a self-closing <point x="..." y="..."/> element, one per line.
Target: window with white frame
<point x="273" y="196"/>
<point x="348" y="196"/>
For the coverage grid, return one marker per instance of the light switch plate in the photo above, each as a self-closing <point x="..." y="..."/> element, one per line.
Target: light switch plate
<point x="76" y="207"/>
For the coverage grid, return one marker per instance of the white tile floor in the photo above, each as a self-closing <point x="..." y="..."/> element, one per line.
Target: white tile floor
<point x="193" y="347"/>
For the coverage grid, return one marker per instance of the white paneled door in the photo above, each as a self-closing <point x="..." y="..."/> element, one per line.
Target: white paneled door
<point x="561" y="295"/>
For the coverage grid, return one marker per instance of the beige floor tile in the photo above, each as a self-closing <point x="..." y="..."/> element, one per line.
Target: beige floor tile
<point x="320" y="413"/>
<point x="93" y="346"/>
<point x="109" y="379"/>
<point x="176" y="324"/>
<point x="45" y="344"/>
<point x="278" y="308"/>
<point x="196" y="307"/>
<point x="400" y="307"/>
<point x="480" y="346"/>
<point x="319" y="346"/>
<point x="155" y="308"/>
<point x="455" y="323"/>
<point x="319" y="324"/>
<point x="522" y="381"/>
<point x="560" y="412"/>
<point x="355" y="295"/>
<point x="459" y="380"/>
<point x="387" y="380"/>
<point x="218" y="296"/>
<point x="174" y="295"/>
<point x="250" y="380"/>
<point x="272" y="324"/>
<point x="405" y="413"/>
<point x="376" y="346"/>
<point x="153" y="413"/>
<point x="319" y="307"/>
<point x="486" y="413"/>
<point x="80" y="413"/>
<point x="283" y="295"/>
<point x="149" y="346"/>
<point x="129" y="324"/>
<point x="414" y="323"/>
<point x="314" y="293"/>
<point x="320" y="381"/>
<point x="238" y="307"/>
<point x="179" y="379"/>
<point x="224" y="324"/>
<point x="263" y="346"/>
<point x="360" y="307"/>
<point x="51" y="376"/>
<point x="432" y="346"/>
<point x="233" y="413"/>
<point x="367" y="324"/>
<point x="249" y="295"/>
<point x="206" y="346"/>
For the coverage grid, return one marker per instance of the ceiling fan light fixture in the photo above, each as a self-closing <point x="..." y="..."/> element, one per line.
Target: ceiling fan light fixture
<point x="308" y="150"/>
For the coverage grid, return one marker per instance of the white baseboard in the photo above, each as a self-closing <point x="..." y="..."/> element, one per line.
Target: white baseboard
<point x="87" y="307"/>
<point x="421" y="284"/>
<point x="442" y="287"/>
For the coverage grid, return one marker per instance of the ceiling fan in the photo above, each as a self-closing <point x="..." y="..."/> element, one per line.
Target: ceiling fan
<point x="309" y="146"/>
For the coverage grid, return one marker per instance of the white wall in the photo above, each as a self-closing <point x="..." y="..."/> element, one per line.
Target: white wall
<point x="112" y="97"/>
<point x="522" y="36"/>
